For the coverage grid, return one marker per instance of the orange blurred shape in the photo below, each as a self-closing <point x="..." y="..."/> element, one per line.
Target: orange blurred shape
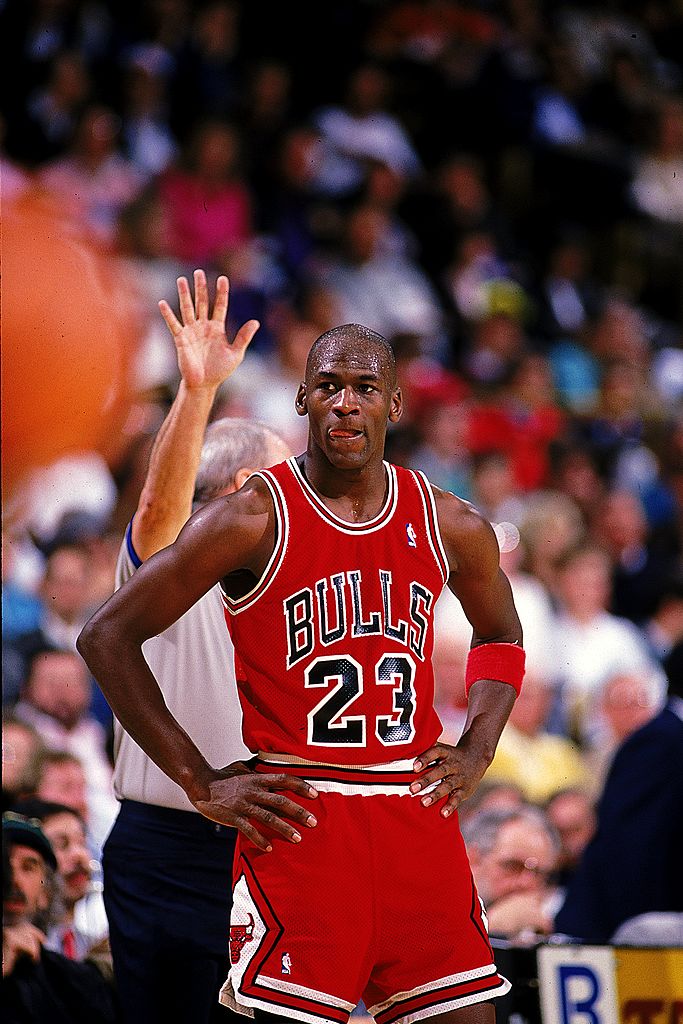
<point x="67" y="344"/>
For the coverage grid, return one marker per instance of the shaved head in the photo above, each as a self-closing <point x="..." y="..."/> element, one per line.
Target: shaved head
<point x="358" y="339"/>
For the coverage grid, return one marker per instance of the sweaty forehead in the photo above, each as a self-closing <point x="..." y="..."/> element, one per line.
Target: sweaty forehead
<point x="358" y="355"/>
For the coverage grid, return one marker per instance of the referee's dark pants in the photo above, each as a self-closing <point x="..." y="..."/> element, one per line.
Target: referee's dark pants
<point x="167" y="893"/>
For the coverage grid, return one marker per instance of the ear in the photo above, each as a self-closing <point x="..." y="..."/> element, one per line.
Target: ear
<point x="396" y="407"/>
<point x="242" y="475"/>
<point x="300" y="400"/>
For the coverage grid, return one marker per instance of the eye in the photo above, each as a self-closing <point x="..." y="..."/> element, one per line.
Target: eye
<point x="367" y="389"/>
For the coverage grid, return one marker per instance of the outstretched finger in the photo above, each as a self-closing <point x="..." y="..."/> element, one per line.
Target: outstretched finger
<point x="244" y="335"/>
<point x="185" y="299"/>
<point x="201" y="295"/>
<point x="172" y="322"/>
<point x="220" y="306"/>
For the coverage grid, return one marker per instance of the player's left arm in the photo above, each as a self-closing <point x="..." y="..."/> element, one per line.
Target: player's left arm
<point x="483" y="589"/>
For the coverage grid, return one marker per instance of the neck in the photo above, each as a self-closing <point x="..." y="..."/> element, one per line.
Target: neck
<point x="356" y="493"/>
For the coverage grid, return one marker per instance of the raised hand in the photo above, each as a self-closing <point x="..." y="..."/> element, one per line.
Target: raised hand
<point x="245" y="799"/>
<point x="205" y="356"/>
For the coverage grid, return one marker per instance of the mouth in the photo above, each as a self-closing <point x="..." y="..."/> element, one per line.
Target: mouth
<point x="14" y="907"/>
<point x="77" y="878"/>
<point x="344" y="434"/>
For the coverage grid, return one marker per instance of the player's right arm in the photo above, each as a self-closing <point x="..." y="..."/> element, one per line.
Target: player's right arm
<point x="162" y="590"/>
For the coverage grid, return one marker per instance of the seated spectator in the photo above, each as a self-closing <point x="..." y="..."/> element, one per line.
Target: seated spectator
<point x="92" y="181"/>
<point x="358" y="129"/>
<point x="22" y="748"/>
<point x="537" y="761"/>
<point x="663" y="628"/>
<point x="64" y="593"/>
<point x="632" y="865"/>
<point x="388" y="293"/>
<point x="620" y="525"/>
<point x="55" y="700"/>
<point x="514" y="854"/>
<point x="82" y="924"/>
<point x="41" y="986"/>
<point x="552" y="524"/>
<point x="572" y="812"/>
<point x="522" y="419"/>
<point x="592" y="643"/>
<point x="205" y="197"/>
<point x="492" y="796"/>
<point x="625" y="702"/>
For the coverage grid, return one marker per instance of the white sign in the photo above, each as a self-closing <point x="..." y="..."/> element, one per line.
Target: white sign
<point x="577" y="985"/>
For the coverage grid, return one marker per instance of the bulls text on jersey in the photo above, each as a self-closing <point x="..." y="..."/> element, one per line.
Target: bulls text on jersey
<point x="333" y="610"/>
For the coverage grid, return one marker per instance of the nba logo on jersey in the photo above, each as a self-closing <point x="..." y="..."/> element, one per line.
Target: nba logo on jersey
<point x="286" y="963"/>
<point x="412" y="536"/>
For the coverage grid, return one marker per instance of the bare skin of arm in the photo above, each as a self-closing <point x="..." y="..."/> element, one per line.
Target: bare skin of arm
<point x="163" y="589"/>
<point x="484" y="591"/>
<point x="205" y="360"/>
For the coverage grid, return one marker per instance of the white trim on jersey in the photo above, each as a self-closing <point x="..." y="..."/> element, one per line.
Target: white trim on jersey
<point x="240" y="604"/>
<point x="433" y="535"/>
<point x="376" y="523"/>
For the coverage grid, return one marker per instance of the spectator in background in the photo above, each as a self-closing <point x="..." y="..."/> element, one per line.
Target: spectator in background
<point x="81" y="924"/>
<point x="41" y="986"/>
<point x="592" y="643"/>
<point x="572" y="812"/>
<point x="21" y="751"/>
<point x="521" y="419"/>
<point x="529" y="756"/>
<point x="389" y="293"/>
<point x="663" y="628"/>
<point x="655" y="186"/>
<point x="146" y="131"/>
<point x="54" y="109"/>
<point x="65" y="596"/>
<point x="494" y="491"/>
<point x="206" y="199"/>
<point x="619" y="525"/>
<point x="552" y="524"/>
<point x="514" y="853"/>
<point x="60" y="778"/>
<point x="361" y="128"/>
<point x="55" y="700"/>
<point x="624" y="702"/>
<point x="632" y="866"/>
<point x="92" y="181"/>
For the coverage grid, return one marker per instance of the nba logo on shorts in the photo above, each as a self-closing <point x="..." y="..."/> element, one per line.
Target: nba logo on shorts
<point x="286" y="963"/>
<point x="412" y="536"/>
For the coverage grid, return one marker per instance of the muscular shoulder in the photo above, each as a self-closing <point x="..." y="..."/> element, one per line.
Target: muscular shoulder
<point x="240" y="524"/>
<point x="467" y="535"/>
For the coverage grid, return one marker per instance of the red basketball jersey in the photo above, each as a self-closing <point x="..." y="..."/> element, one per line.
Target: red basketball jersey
<point x="334" y="643"/>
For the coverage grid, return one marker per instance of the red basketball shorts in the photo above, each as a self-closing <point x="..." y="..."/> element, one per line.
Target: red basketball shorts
<point x="376" y="903"/>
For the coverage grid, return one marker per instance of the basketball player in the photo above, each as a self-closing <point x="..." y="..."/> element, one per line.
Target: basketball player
<point x="356" y="886"/>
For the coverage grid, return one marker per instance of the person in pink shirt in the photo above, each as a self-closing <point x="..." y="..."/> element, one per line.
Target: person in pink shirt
<point x="207" y="201"/>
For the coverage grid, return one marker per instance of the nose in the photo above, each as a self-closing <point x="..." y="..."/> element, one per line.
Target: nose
<point x="346" y="402"/>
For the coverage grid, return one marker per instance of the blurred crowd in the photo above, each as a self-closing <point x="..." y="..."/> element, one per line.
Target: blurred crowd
<point x="494" y="185"/>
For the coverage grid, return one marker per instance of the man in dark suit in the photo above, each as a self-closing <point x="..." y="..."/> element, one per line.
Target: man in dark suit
<point x="632" y="866"/>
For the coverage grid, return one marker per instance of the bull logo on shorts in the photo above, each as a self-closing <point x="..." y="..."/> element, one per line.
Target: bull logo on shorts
<point x="240" y="934"/>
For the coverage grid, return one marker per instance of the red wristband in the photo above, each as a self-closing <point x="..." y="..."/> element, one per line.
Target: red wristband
<point x="503" y="662"/>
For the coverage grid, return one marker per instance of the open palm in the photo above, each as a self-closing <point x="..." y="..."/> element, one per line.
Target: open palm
<point x="205" y="356"/>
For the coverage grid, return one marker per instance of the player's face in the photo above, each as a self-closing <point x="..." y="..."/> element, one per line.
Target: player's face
<point x="349" y="396"/>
